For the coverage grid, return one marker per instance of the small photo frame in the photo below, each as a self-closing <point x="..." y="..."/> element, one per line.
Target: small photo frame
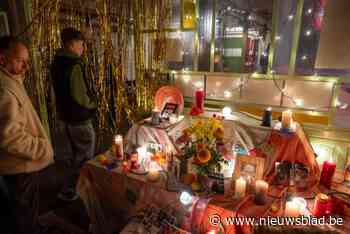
<point x="216" y="182"/>
<point x="249" y="166"/>
<point x="169" y="108"/>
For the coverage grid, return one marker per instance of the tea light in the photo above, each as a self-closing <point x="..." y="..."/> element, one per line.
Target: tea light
<point x="119" y="152"/>
<point x="226" y="112"/>
<point x="286" y="119"/>
<point x="327" y="174"/>
<point x="155" y="116"/>
<point x="240" y="187"/>
<point x="153" y="173"/>
<point x="261" y="188"/>
<point x="292" y="209"/>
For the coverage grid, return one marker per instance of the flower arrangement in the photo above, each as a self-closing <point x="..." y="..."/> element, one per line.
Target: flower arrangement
<point x="203" y="142"/>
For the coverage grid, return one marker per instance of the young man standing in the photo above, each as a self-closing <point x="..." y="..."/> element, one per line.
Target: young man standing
<point x="25" y="149"/>
<point x="76" y="105"/>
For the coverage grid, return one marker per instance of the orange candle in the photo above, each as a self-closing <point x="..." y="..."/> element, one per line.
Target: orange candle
<point x="119" y="151"/>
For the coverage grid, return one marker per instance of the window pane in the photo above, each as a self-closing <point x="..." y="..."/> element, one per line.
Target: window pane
<point x="242" y="35"/>
<point x="180" y="49"/>
<point x="205" y="11"/>
<point x="309" y="39"/>
<point x="333" y="57"/>
<point x="284" y="36"/>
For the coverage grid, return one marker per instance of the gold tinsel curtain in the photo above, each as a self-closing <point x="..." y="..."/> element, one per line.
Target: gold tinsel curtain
<point x="115" y="36"/>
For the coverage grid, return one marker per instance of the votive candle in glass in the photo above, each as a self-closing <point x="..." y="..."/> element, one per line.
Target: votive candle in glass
<point x="292" y="209"/>
<point x="322" y="205"/>
<point x="261" y="189"/>
<point x="240" y="187"/>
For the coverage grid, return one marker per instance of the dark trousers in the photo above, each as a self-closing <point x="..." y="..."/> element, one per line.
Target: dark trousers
<point x="81" y="141"/>
<point x="24" y="200"/>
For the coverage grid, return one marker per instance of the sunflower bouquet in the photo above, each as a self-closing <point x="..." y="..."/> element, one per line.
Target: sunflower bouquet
<point x="203" y="142"/>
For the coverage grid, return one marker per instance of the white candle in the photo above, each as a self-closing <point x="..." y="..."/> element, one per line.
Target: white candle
<point x="142" y="153"/>
<point x="302" y="204"/>
<point x="277" y="164"/>
<point x="286" y="119"/>
<point x="292" y="209"/>
<point x="119" y="151"/>
<point x="240" y="187"/>
<point x="155" y="117"/>
<point x="261" y="188"/>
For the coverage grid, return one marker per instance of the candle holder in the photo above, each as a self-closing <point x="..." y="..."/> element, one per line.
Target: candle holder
<point x="267" y="117"/>
<point x="261" y="189"/>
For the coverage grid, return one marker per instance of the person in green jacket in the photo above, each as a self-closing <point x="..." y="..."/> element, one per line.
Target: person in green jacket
<point x="75" y="104"/>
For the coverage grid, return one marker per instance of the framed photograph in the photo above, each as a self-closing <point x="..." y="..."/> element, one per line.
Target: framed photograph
<point x="249" y="166"/>
<point x="169" y="108"/>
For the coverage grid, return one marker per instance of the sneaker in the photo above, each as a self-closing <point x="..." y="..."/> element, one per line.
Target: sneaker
<point x="68" y="195"/>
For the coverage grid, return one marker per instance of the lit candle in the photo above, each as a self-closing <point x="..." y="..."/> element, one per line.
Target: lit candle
<point x="134" y="161"/>
<point x="302" y="204"/>
<point x="119" y="152"/>
<point x="142" y="153"/>
<point x="261" y="188"/>
<point x="327" y="174"/>
<point x="267" y="117"/>
<point x="240" y="187"/>
<point x="226" y="112"/>
<point x="322" y="205"/>
<point x="199" y="99"/>
<point x="125" y="167"/>
<point x="292" y="209"/>
<point x="155" y="116"/>
<point x="286" y="119"/>
<point x="277" y="164"/>
<point x="153" y="172"/>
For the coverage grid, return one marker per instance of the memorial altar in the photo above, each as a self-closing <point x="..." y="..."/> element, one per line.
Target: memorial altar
<point x="148" y="202"/>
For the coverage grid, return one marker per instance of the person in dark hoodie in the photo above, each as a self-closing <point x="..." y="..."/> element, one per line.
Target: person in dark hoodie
<point x="75" y="105"/>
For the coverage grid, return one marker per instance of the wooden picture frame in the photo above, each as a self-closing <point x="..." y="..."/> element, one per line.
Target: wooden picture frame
<point x="250" y="162"/>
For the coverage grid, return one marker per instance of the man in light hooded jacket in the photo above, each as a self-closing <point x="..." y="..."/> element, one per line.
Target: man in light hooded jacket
<point x="25" y="149"/>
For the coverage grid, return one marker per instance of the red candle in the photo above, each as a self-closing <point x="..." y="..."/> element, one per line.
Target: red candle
<point x="199" y="97"/>
<point x="327" y="174"/>
<point x="125" y="167"/>
<point x="134" y="158"/>
<point x="322" y="205"/>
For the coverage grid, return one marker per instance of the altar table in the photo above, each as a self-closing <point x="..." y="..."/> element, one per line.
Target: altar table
<point x="112" y="198"/>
